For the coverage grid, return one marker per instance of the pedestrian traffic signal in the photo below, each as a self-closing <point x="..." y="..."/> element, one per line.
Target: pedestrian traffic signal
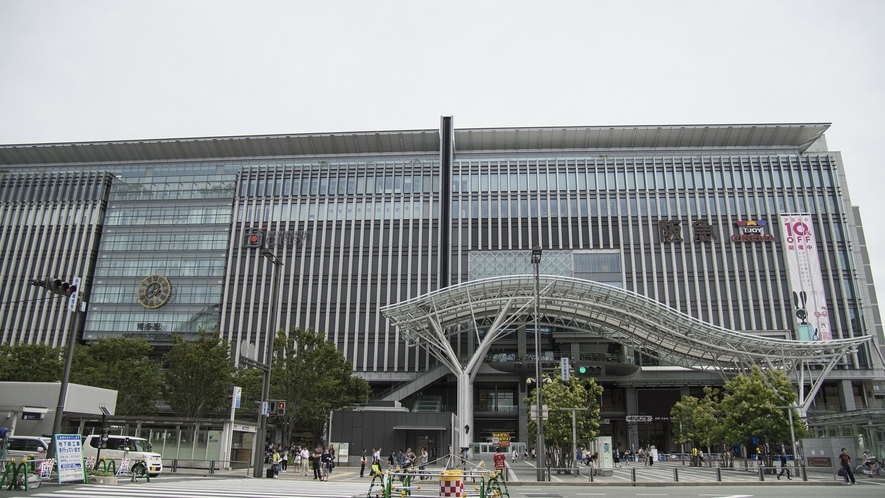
<point x="254" y="239"/>
<point x="583" y="369"/>
<point x="56" y="286"/>
<point x="281" y="407"/>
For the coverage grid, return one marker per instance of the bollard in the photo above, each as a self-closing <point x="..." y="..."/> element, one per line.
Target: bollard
<point x="804" y="474"/>
<point x="591" y="475"/>
<point x="174" y="465"/>
<point x="675" y="475"/>
<point x="718" y="474"/>
<point x="633" y="475"/>
<point x="211" y="467"/>
<point x="761" y="474"/>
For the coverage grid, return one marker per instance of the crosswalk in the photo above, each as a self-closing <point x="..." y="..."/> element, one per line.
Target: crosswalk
<point x="206" y="488"/>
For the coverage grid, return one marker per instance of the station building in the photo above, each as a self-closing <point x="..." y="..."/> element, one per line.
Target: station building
<point x="742" y="230"/>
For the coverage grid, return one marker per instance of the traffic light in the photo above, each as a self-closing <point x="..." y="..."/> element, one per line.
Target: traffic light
<point x="277" y="408"/>
<point x="254" y="239"/>
<point x="56" y="286"/>
<point x="584" y="369"/>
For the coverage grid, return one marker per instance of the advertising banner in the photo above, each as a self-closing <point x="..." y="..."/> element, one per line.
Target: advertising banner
<point x="69" y="452"/>
<point x="800" y="251"/>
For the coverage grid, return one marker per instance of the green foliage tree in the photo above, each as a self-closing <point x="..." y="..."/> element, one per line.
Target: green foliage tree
<point x="575" y="393"/>
<point x="31" y="363"/>
<point x="750" y="409"/>
<point x="198" y="376"/>
<point x="314" y="378"/>
<point x="125" y="366"/>
<point x="696" y="421"/>
<point x="252" y="382"/>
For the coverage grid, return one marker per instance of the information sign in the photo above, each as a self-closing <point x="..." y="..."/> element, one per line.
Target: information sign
<point x="69" y="451"/>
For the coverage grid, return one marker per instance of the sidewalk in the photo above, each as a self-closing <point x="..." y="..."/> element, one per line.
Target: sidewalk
<point x="525" y="473"/>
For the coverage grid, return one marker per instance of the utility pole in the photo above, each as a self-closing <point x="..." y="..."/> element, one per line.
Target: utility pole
<point x="575" y="437"/>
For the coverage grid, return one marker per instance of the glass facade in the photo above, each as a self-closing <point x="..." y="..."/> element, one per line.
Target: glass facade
<point x="171" y="220"/>
<point x="688" y="217"/>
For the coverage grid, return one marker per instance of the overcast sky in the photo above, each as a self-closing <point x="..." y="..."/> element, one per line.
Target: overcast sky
<point x="115" y="70"/>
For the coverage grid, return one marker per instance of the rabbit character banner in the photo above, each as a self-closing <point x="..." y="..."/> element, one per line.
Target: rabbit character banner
<point x="809" y="304"/>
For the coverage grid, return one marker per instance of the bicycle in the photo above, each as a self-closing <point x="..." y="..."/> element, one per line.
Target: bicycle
<point x="870" y="468"/>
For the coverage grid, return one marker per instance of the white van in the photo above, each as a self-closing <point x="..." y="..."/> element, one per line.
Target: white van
<point x="120" y="447"/>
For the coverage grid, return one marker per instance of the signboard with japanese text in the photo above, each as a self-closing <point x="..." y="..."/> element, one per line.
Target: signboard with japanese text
<point x="69" y="452"/>
<point x="808" y="300"/>
<point x="501" y="438"/>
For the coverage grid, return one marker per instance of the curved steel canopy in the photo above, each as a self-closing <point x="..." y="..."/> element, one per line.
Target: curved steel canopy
<point x="617" y="314"/>
<point x="492" y="306"/>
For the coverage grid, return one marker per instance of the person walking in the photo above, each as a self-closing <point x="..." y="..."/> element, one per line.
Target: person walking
<point x="363" y="463"/>
<point x="284" y="460"/>
<point x="845" y="460"/>
<point x="784" y="468"/>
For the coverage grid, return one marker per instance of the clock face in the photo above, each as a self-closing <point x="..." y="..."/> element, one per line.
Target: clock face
<point x="154" y="291"/>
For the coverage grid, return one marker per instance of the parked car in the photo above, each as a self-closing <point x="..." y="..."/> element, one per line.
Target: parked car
<point x="117" y="448"/>
<point x="26" y="447"/>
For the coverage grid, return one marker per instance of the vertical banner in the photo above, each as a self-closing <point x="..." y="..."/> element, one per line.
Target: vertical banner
<point x="69" y="453"/>
<point x="806" y="282"/>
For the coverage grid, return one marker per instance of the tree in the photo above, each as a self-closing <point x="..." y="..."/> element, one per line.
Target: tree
<point x="696" y="421"/>
<point x="576" y="393"/>
<point x="125" y="366"/>
<point x="252" y="382"/>
<point x="198" y="376"/>
<point x="31" y="363"/>
<point x="750" y="409"/>
<point x="313" y="378"/>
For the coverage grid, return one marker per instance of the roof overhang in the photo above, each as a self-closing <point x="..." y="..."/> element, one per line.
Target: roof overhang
<point x="793" y="138"/>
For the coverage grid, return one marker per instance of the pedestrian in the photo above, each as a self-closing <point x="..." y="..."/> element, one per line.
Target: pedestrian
<point x="275" y="466"/>
<point x="593" y="459"/>
<point x="500" y="462"/>
<point x="784" y="468"/>
<point x="616" y="458"/>
<point x="424" y="457"/>
<point x="326" y="463"/>
<point x="391" y="460"/>
<point x="845" y="460"/>
<point x="317" y="462"/>
<point x="641" y="456"/>
<point x="376" y="456"/>
<point x="363" y="463"/>
<point x="284" y="460"/>
<point x="305" y="460"/>
<point x="514" y="455"/>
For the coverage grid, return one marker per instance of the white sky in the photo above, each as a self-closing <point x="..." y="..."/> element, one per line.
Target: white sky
<point x="112" y="70"/>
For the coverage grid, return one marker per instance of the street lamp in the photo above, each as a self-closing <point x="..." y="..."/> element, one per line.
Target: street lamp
<point x="536" y="261"/>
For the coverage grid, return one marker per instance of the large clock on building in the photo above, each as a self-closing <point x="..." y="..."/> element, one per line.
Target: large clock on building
<point x="154" y="291"/>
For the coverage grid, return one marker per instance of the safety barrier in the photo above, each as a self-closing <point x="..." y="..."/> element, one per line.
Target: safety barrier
<point x="491" y="483"/>
<point x="15" y="476"/>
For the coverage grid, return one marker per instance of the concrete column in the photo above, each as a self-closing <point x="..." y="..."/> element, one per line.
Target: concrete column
<point x="632" y="405"/>
<point x="846" y="396"/>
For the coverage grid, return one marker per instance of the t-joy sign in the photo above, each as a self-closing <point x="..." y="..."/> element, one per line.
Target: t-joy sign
<point x="752" y="231"/>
